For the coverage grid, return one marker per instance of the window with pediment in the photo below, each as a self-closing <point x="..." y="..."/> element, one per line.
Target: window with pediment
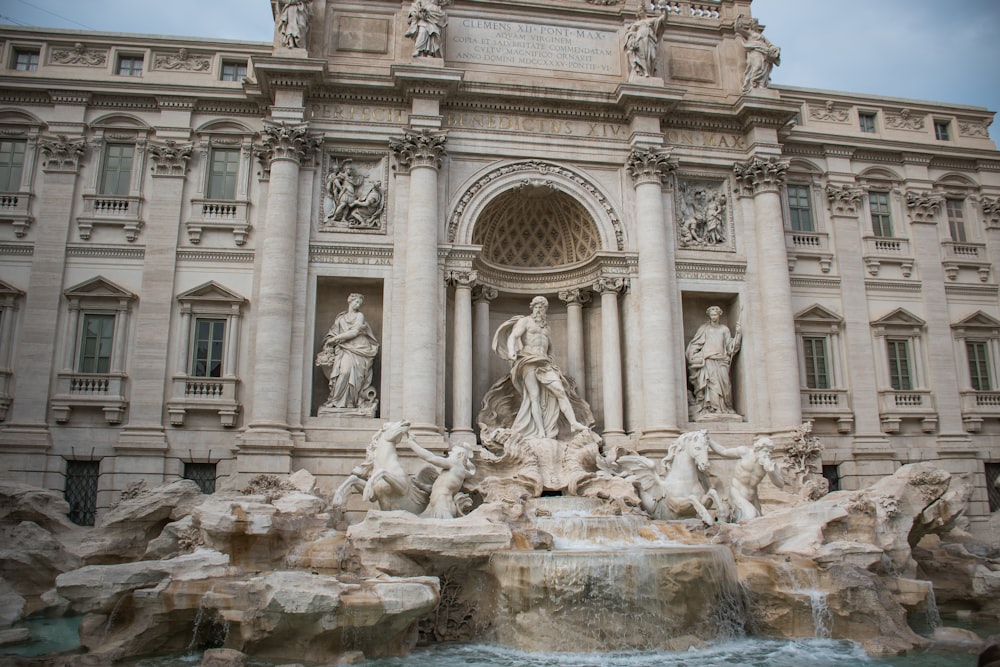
<point x="95" y="341"/>
<point x="206" y="377"/>
<point x="977" y="353"/>
<point x="113" y="194"/>
<point x="221" y="198"/>
<point x="823" y="387"/>
<point x="901" y="375"/>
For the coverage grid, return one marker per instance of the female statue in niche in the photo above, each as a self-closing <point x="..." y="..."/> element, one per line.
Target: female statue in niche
<point x="709" y="355"/>
<point x="348" y="353"/>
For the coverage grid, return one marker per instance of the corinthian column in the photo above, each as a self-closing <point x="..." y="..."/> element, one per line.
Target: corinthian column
<point x="611" y="355"/>
<point x="649" y="168"/>
<point x="762" y="179"/>
<point x="574" y="300"/>
<point x="461" y="364"/>
<point x="481" y="339"/>
<point x="420" y="154"/>
<point x="286" y="144"/>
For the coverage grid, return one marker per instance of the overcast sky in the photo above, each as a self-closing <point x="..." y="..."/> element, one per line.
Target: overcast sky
<point x="944" y="51"/>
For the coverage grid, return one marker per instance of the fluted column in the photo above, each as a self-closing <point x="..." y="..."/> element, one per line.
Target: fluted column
<point x="574" y="300"/>
<point x="482" y="338"/>
<point x="461" y="364"/>
<point x="287" y="144"/>
<point x="649" y="169"/>
<point x="611" y="354"/>
<point x="762" y="179"/>
<point x="421" y="154"/>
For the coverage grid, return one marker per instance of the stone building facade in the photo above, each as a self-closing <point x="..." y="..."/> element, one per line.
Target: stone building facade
<point x="181" y="221"/>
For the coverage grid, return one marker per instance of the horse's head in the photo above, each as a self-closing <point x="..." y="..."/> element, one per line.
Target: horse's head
<point x="695" y="444"/>
<point x="394" y="431"/>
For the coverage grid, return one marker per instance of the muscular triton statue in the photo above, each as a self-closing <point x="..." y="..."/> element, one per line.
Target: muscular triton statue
<point x="536" y="388"/>
<point x="754" y="464"/>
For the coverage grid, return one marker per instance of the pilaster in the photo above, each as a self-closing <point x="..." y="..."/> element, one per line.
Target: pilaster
<point x="461" y="366"/>
<point x="611" y="356"/>
<point x="575" y="300"/>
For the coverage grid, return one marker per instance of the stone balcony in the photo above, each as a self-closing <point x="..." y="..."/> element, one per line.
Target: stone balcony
<point x="115" y="211"/>
<point x="970" y="256"/>
<point x="828" y="404"/>
<point x="879" y="250"/>
<point x="14" y="208"/>
<point x="977" y="406"/>
<point x="200" y="394"/>
<point x="90" y="390"/>
<point x="896" y="405"/>
<point x="808" y="245"/>
<point x="227" y="215"/>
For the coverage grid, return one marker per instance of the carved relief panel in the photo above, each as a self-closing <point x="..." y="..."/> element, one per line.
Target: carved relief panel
<point x="353" y="196"/>
<point x="704" y="219"/>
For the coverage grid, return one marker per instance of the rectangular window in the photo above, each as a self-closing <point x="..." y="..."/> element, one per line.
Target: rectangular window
<point x="202" y="474"/>
<point x="116" y="172"/>
<point x="81" y="491"/>
<point x="234" y="71"/>
<point x="208" y="347"/>
<point x="95" y="343"/>
<point x="11" y="164"/>
<point x="956" y="219"/>
<point x="992" y="492"/>
<point x="878" y="203"/>
<point x="26" y="60"/>
<point x="867" y="122"/>
<point x="799" y="208"/>
<point x="223" y="171"/>
<point x="900" y="374"/>
<point x="816" y="362"/>
<point x="979" y="365"/>
<point x="129" y="65"/>
<point x="942" y="130"/>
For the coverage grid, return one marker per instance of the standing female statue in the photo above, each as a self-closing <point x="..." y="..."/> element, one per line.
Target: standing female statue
<point x="709" y="355"/>
<point x="349" y="350"/>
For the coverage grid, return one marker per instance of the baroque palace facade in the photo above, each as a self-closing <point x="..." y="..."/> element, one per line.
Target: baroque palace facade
<point x="182" y="220"/>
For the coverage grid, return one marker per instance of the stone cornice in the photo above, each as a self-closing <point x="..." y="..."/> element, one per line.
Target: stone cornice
<point x="419" y="149"/>
<point x="350" y="254"/>
<point x="106" y="251"/>
<point x="426" y="81"/>
<point x="650" y="165"/>
<point x="215" y="256"/>
<point x="814" y="283"/>
<point x="297" y="73"/>
<point x="70" y="96"/>
<point x="758" y="175"/>
<point x="697" y="270"/>
<point x="647" y="100"/>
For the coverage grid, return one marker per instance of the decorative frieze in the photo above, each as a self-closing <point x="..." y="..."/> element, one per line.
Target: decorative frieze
<point x="116" y="252"/>
<point x="182" y="60"/>
<point x="650" y="165"/>
<point x="711" y="271"/>
<point x="419" y="149"/>
<point x="979" y="128"/>
<point x="170" y="158"/>
<point x="923" y="206"/>
<point x="829" y="112"/>
<point x="61" y="153"/>
<point x="349" y="254"/>
<point x="905" y="120"/>
<point x="758" y="175"/>
<point x="844" y="199"/>
<point x="78" y="55"/>
<point x="287" y="141"/>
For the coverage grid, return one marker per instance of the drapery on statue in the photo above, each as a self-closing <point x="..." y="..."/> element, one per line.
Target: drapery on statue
<point x="293" y="22"/>
<point x="536" y="390"/>
<point x="709" y="355"/>
<point x="347" y="356"/>
<point x="642" y="37"/>
<point x="762" y="55"/>
<point x="426" y="19"/>
<point x="754" y="463"/>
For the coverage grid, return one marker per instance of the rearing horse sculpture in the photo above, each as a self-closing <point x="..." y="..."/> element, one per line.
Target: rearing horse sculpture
<point x="677" y="486"/>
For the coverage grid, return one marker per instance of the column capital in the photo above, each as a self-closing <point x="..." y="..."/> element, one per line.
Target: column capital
<point x="170" y="158"/>
<point x="991" y="211"/>
<point x="484" y="293"/>
<point x="650" y="165"/>
<point x="287" y="141"/>
<point x="577" y="296"/>
<point x="61" y="153"/>
<point x="606" y="285"/>
<point x="923" y="206"/>
<point x="844" y="199"/>
<point x="419" y="149"/>
<point x="758" y="175"/>
<point x="461" y="279"/>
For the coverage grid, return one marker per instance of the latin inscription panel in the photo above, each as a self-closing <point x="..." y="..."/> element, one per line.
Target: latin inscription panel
<point x="539" y="46"/>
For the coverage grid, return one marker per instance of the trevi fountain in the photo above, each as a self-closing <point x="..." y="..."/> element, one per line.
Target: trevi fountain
<point x="537" y="545"/>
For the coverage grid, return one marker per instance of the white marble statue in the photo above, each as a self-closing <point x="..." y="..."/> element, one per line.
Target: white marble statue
<point x="762" y="55"/>
<point x="753" y="465"/>
<point x="364" y="212"/>
<point x="446" y="499"/>
<point x="709" y="355"/>
<point x="533" y="399"/>
<point x="642" y="37"/>
<point x="678" y="486"/>
<point x="293" y="22"/>
<point x="341" y="190"/>
<point x="347" y="357"/>
<point x="427" y="20"/>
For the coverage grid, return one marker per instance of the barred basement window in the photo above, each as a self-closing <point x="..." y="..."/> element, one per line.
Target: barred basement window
<point x="992" y="492"/>
<point x="832" y="475"/>
<point x="202" y="474"/>
<point x="81" y="491"/>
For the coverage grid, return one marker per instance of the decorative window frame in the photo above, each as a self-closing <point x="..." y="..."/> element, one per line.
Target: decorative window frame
<point x="207" y="394"/>
<point x="963" y="259"/>
<point x="881" y="250"/>
<point x="124" y="211"/>
<point x="10" y="300"/>
<point x="978" y="406"/>
<point x="814" y="245"/>
<point x="220" y="214"/>
<point x="895" y="405"/>
<point x="16" y="204"/>
<point x="106" y="391"/>
<point x="833" y="403"/>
